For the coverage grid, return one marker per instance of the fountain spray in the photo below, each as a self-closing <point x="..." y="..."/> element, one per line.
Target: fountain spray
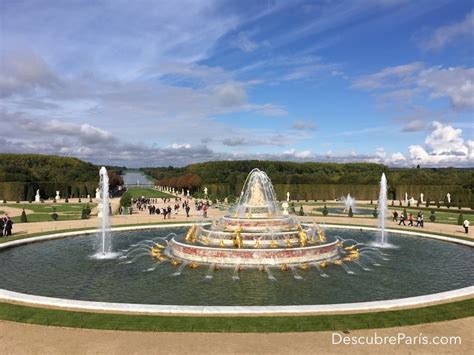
<point x="382" y="207"/>
<point x="105" y="225"/>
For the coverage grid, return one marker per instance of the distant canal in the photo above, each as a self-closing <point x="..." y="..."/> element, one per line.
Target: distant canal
<point x="136" y="177"/>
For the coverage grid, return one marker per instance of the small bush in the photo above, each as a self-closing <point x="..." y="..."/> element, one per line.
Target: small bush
<point x="66" y="200"/>
<point x="438" y="205"/>
<point x="400" y="203"/>
<point x="371" y="202"/>
<point x="432" y="216"/>
<point x="301" y="211"/>
<point x="350" y="214"/>
<point x="23" y="218"/>
<point x="54" y="216"/>
<point x="126" y="200"/>
<point x="375" y="213"/>
<point x="4" y="201"/>
<point x="325" y="211"/>
<point x="79" y="200"/>
<point x="393" y="203"/>
<point x="460" y="219"/>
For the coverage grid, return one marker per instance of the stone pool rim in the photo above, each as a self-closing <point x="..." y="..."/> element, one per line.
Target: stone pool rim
<point x="151" y="309"/>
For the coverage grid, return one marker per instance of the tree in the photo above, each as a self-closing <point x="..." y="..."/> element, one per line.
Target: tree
<point x="30" y="195"/>
<point x="23" y="218"/>
<point x="350" y="214"/>
<point x="460" y="219"/>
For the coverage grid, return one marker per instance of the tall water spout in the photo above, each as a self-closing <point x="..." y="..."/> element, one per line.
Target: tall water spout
<point x="382" y="209"/>
<point x="104" y="248"/>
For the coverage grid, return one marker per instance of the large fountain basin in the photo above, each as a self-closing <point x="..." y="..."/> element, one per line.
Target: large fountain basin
<point x="61" y="272"/>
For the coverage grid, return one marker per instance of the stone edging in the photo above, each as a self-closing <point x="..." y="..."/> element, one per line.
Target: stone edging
<point x="32" y="300"/>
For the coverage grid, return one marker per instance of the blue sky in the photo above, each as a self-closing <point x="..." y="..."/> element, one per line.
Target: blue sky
<point x="149" y="83"/>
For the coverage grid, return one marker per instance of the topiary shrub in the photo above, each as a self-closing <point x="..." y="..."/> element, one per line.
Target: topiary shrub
<point x="400" y="203"/>
<point x="371" y="202"/>
<point x="428" y="202"/>
<point x="432" y="216"/>
<point x="4" y="201"/>
<point x="375" y="213"/>
<point x="23" y="218"/>
<point x="405" y="214"/>
<point x="54" y="215"/>
<point x="460" y="219"/>
<point x="301" y="211"/>
<point x="325" y="211"/>
<point x="438" y="204"/>
<point x="79" y="200"/>
<point x="126" y="200"/>
<point x="350" y="214"/>
<point x="393" y="203"/>
<point x="66" y="200"/>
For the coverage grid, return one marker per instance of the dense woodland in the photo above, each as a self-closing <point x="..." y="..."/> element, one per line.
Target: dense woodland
<point x="320" y="180"/>
<point x="22" y="174"/>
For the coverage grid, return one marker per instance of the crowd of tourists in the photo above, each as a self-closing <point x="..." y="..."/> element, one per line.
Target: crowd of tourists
<point x="169" y="208"/>
<point x="410" y="218"/>
<point x="6" y="226"/>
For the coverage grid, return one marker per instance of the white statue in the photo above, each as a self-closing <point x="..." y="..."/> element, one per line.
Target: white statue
<point x="448" y="195"/>
<point x="138" y="182"/>
<point x="97" y="194"/>
<point x="421" y="197"/>
<point x="288" y="196"/>
<point x="285" y="208"/>
<point x="226" y="200"/>
<point x="187" y="194"/>
<point x="57" y="196"/>
<point x="205" y="191"/>
<point x="182" y="192"/>
<point x="406" y="197"/>
<point x="37" y="197"/>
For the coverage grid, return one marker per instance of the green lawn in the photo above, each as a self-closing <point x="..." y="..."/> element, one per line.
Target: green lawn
<point x="149" y="193"/>
<point x="437" y="313"/>
<point x="42" y="212"/>
<point x="441" y="217"/>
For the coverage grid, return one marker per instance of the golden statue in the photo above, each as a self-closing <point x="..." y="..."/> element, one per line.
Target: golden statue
<point x="191" y="235"/>
<point x="257" y="243"/>
<point x="238" y="243"/>
<point x="322" y="237"/>
<point x="303" y="237"/>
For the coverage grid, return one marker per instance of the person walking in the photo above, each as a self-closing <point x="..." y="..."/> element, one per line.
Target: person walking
<point x="395" y="216"/>
<point x="402" y="219"/>
<point x="466" y="226"/>
<point x="410" y="220"/>
<point x="187" y="208"/>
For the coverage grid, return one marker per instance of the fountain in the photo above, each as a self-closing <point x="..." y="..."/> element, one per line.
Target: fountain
<point x="256" y="233"/>
<point x="382" y="210"/>
<point x="104" y="248"/>
<point x="349" y="202"/>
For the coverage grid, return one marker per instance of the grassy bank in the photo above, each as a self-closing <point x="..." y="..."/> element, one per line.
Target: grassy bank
<point x="42" y="316"/>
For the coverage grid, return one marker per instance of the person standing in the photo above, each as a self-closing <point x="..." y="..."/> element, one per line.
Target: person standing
<point x="466" y="226"/>
<point x="187" y="208"/>
<point x="2" y="226"/>
<point x="8" y="227"/>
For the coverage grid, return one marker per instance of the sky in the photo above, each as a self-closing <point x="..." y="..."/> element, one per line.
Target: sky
<point x="158" y="83"/>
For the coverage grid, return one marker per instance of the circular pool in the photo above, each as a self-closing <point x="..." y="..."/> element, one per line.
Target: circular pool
<point x="63" y="268"/>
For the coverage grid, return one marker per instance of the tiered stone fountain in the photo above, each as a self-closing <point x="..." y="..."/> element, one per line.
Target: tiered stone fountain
<point x="256" y="233"/>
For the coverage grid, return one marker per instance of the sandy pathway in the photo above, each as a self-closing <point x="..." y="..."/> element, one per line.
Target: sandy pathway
<point x="21" y="338"/>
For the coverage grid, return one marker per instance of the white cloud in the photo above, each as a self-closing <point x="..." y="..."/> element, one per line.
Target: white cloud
<point x="444" y="146"/>
<point x="406" y="82"/>
<point x="456" y="84"/>
<point x="243" y="42"/>
<point x="446" y="35"/>
<point x="304" y="154"/>
<point x="304" y="125"/>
